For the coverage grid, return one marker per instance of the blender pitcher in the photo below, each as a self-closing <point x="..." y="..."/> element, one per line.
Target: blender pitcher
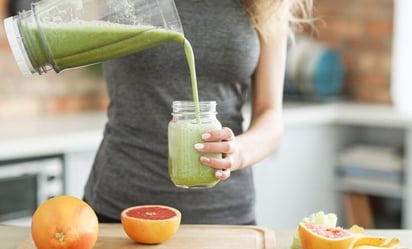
<point x="63" y="34"/>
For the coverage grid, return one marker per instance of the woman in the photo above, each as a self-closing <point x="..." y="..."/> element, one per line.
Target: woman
<point x="239" y="46"/>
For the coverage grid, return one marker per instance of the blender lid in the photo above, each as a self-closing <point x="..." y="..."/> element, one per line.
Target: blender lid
<point x="16" y="43"/>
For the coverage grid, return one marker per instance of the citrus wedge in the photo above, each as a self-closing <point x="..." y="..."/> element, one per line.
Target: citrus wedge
<point x="316" y="236"/>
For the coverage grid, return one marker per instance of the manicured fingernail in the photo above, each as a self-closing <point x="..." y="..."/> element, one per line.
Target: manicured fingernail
<point x="219" y="173"/>
<point x="199" y="146"/>
<point x="206" y="135"/>
<point x="204" y="159"/>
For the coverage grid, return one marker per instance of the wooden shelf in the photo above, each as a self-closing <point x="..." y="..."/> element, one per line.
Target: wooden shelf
<point x="362" y="186"/>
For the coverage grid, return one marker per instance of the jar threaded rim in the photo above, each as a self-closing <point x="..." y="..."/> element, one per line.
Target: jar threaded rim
<point x="182" y="106"/>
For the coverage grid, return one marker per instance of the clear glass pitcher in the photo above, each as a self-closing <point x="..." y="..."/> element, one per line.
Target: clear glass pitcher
<point x="63" y="34"/>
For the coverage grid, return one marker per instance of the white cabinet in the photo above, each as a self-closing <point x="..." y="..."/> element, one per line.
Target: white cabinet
<point x="387" y="126"/>
<point x="77" y="169"/>
<point x="298" y="179"/>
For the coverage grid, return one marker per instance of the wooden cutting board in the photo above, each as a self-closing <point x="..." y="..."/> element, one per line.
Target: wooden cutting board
<point x="112" y="236"/>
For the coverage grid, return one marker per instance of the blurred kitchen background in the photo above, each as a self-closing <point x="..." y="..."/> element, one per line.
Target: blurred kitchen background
<point x="346" y="148"/>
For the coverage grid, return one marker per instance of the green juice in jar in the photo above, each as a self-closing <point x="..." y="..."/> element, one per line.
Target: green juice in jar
<point x="190" y="121"/>
<point x="185" y="168"/>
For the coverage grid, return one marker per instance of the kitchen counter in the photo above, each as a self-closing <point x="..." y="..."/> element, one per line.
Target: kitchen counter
<point x="346" y="113"/>
<point x="12" y="236"/>
<point x="58" y="134"/>
<point x="303" y="114"/>
<point x="77" y="132"/>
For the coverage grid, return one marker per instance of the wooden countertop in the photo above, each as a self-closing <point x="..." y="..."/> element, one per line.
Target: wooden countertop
<point x="12" y="236"/>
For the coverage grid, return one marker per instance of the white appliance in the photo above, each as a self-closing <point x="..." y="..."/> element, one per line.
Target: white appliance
<point x="24" y="184"/>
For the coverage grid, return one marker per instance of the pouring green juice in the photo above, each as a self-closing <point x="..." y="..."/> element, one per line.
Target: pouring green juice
<point x="77" y="44"/>
<point x="59" y="35"/>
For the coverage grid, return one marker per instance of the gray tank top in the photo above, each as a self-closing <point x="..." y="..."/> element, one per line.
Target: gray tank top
<point x="131" y="166"/>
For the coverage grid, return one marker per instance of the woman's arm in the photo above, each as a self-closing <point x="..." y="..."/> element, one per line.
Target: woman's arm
<point x="266" y="124"/>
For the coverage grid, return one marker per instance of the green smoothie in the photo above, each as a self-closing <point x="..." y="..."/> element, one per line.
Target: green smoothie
<point x="185" y="168"/>
<point x="75" y="44"/>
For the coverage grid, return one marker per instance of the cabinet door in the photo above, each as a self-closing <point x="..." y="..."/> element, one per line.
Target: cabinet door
<point x="298" y="179"/>
<point x="78" y="166"/>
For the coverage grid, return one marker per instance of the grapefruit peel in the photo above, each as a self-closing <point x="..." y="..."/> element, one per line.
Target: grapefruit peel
<point x="365" y="241"/>
<point x="359" y="240"/>
<point x="394" y="243"/>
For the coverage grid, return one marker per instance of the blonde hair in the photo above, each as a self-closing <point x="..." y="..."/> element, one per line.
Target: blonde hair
<point x="271" y="17"/>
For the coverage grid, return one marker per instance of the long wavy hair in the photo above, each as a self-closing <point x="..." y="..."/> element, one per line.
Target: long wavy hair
<point x="273" y="16"/>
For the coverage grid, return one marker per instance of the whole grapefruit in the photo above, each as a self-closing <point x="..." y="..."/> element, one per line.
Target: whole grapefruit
<point x="316" y="236"/>
<point x="64" y="222"/>
<point x="150" y="224"/>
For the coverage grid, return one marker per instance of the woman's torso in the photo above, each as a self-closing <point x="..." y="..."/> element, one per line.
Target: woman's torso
<point x="131" y="165"/>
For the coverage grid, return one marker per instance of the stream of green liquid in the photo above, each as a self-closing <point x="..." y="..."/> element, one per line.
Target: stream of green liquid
<point x="77" y="44"/>
<point x="191" y="63"/>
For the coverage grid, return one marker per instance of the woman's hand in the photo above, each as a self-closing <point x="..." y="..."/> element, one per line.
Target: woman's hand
<point x="219" y="141"/>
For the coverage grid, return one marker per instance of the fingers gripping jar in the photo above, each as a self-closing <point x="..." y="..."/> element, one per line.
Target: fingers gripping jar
<point x="184" y="131"/>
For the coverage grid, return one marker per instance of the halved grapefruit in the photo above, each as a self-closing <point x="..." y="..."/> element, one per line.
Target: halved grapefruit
<point x="316" y="236"/>
<point x="150" y="224"/>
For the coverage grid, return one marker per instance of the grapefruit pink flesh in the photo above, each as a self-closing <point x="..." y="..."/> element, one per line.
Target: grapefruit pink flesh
<point x="315" y="236"/>
<point x="328" y="219"/>
<point x="151" y="213"/>
<point x="150" y="224"/>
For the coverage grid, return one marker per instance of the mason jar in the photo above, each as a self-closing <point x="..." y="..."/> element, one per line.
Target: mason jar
<point x="184" y="131"/>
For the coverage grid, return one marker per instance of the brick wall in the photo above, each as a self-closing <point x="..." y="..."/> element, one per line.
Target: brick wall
<point x="362" y="31"/>
<point x="78" y="90"/>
